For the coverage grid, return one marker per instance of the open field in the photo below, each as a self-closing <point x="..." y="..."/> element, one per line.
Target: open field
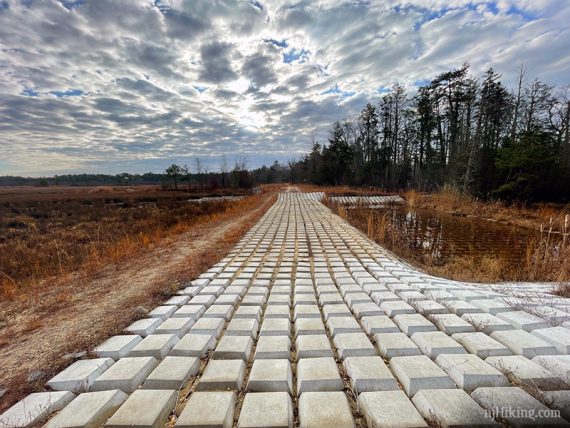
<point x="143" y="255"/>
<point x="49" y="232"/>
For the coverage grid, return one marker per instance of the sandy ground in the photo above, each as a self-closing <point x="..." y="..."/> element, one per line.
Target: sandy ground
<point x="91" y="307"/>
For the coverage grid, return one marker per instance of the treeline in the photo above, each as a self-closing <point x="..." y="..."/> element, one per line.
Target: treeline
<point x="85" y="180"/>
<point x="472" y="133"/>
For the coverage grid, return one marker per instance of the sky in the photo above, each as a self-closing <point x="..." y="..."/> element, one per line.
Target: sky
<point x="110" y="86"/>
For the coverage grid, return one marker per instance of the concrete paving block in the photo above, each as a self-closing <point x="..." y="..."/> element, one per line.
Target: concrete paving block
<point x="215" y="290"/>
<point x="144" y="408"/>
<point x="389" y="409"/>
<point x="429" y="307"/>
<point x="277" y="311"/>
<point x="162" y="312"/>
<point x="451" y="408"/>
<point x="467" y="295"/>
<point x="144" y="327"/>
<point x="209" y="326"/>
<point x="451" y="324"/>
<point x="194" y="345"/>
<point x="459" y="307"/>
<point x="557" y="336"/>
<point x="521" y="370"/>
<point x="435" y="343"/>
<point x="313" y="346"/>
<point x="234" y="347"/>
<point x="395" y="345"/>
<point x="481" y="345"/>
<point x="155" y="345"/>
<point x="89" y="410"/>
<point x="222" y="375"/>
<point x="266" y="409"/>
<point x="393" y="308"/>
<point x="369" y="309"/>
<point x="379" y="324"/>
<point x="318" y="374"/>
<point x="380" y="297"/>
<point x="177" y="300"/>
<point x="172" y="373"/>
<point x="413" y="323"/>
<point x="470" y="372"/>
<point x="369" y="374"/>
<point x="325" y="410"/>
<point x="521" y="342"/>
<point x="273" y="375"/>
<point x="219" y="311"/>
<point x="202" y="299"/>
<point x="127" y="374"/>
<point x="235" y="290"/>
<point x="117" y="346"/>
<point x="336" y="310"/>
<point x="487" y="323"/>
<point x="516" y="407"/>
<point x="34" y="408"/>
<point x="243" y="327"/>
<point x="248" y="312"/>
<point x="419" y="372"/>
<point x="208" y="409"/>
<point x="412" y="296"/>
<point x="177" y="326"/>
<point x="558" y="400"/>
<point x="189" y="291"/>
<point x="279" y="300"/>
<point x="270" y="347"/>
<point x="304" y="299"/>
<point x="275" y="327"/>
<point x="79" y="376"/>
<point x="306" y="311"/>
<point x="308" y="326"/>
<point x="492" y="306"/>
<point x="254" y="300"/>
<point x="336" y="325"/>
<point x="559" y="365"/>
<point x="353" y="345"/>
<point x="200" y="282"/>
<point x="190" y="311"/>
<point x="522" y="320"/>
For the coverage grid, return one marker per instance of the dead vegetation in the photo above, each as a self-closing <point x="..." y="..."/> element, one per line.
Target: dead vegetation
<point x="451" y="201"/>
<point x="545" y="257"/>
<point x="75" y="311"/>
<point x="48" y="236"/>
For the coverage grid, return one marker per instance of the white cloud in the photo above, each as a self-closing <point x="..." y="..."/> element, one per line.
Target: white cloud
<point x="147" y="83"/>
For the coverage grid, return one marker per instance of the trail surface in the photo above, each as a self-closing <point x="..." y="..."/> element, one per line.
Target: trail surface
<point x="308" y="323"/>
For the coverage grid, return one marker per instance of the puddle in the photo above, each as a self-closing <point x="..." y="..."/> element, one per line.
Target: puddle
<point x="435" y="238"/>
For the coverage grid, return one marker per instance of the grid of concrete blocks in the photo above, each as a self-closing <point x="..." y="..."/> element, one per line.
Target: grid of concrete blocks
<point x="308" y="323"/>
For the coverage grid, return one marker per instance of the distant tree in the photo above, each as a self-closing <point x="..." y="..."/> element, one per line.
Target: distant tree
<point x="174" y="172"/>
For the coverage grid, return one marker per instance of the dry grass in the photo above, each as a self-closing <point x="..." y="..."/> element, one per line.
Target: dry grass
<point x="546" y="258"/>
<point x="47" y="236"/>
<point x="451" y="201"/>
<point x="79" y="310"/>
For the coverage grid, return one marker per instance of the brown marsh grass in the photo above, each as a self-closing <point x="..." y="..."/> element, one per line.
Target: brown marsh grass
<point x="45" y="236"/>
<point x="546" y="258"/>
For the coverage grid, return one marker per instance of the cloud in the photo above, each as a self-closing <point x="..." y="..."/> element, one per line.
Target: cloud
<point x="113" y="85"/>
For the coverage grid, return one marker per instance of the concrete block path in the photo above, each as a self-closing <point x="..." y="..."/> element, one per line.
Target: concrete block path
<point x="308" y="323"/>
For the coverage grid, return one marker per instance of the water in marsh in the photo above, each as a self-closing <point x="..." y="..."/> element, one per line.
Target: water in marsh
<point x="436" y="239"/>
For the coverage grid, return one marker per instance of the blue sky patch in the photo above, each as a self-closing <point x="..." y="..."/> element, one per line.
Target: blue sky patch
<point x="293" y="54"/>
<point x="336" y="90"/>
<point x="30" y="92"/>
<point x="68" y="93"/>
<point x="279" y="43"/>
<point x="71" y="4"/>
<point x="256" y="4"/>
